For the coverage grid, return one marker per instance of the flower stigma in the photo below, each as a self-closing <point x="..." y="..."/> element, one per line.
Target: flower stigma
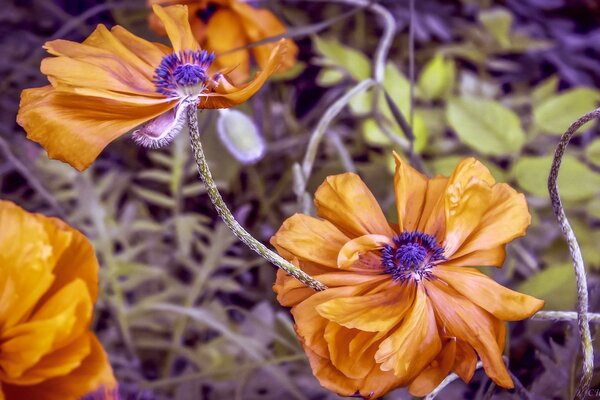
<point x="412" y="256"/>
<point x="184" y="74"/>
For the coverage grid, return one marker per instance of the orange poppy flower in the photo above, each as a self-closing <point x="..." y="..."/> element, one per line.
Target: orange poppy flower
<point x="115" y="81"/>
<point x="402" y="307"/>
<point x="48" y="287"/>
<point x="223" y="25"/>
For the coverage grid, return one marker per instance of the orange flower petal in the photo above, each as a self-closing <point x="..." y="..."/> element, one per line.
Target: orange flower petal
<point x="259" y="24"/>
<point x="374" y="312"/>
<point x="501" y="302"/>
<point x="410" y="188"/>
<point x="465" y="361"/>
<point x="433" y="375"/>
<point x="87" y="66"/>
<point x="226" y="33"/>
<point x="25" y="275"/>
<point x="432" y="219"/>
<point x="310" y="239"/>
<point x="481" y="258"/>
<point x="291" y="291"/>
<point x="346" y="201"/>
<point x="177" y="26"/>
<point x="227" y="95"/>
<point x="461" y="318"/>
<point x="506" y="218"/>
<point x="414" y="344"/>
<point x="150" y="53"/>
<point x="75" y="129"/>
<point x="93" y="373"/>
<point x="353" y="250"/>
<point x="466" y="200"/>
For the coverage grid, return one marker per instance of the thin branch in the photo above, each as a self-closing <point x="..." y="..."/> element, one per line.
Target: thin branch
<point x="575" y="251"/>
<point x="448" y="380"/>
<point x="225" y="213"/>
<point x="563" y="316"/>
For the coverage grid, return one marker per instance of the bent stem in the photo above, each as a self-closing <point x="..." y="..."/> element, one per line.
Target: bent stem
<point x="227" y="216"/>
<point x="583" y="320"/>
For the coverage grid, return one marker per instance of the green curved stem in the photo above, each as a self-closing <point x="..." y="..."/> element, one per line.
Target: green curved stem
<point x="227" y="216"/>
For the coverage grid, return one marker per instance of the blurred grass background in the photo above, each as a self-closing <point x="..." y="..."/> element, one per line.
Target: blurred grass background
<point x="187" y="312"/>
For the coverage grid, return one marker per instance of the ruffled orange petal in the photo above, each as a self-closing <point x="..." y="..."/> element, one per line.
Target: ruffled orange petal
<point x="410" y="188"/>
<point x="378" y="311"/>
<point x="461" y="318"/>
<point x="481" y="258"/>
<point x="466" y="199"/>
<point x="177" y="26"/>
<point x="291" y="291"/>
<point x="350" y="254"/>
<point x="435" y="373"/>
<point x="75" y="129"/>
<point x="465" y="361"/>
<point x="309" y="239"/>
<point x="150" y="53"/>
<point x="432" y="219"/>
<point x="228" y="95"/>
<point x="414" y="344"/>
<point x="259" y="24"/>
<point x="93" y="373"/>
<point x="227" y="33"/>
<point x="84" y="65"/>
<point x="506" y="218"/>
<point x="348" y="203"/>
<point x="501" y="302"/>
<point x="25" y="275"/>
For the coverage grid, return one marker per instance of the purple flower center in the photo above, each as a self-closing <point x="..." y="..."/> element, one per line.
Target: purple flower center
<point x="183" y="73"/>
<point x="412" y="256"/>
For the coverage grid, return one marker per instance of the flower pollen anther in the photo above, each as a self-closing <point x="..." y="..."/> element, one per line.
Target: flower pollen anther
<point x="183" y="73"/>
<point x="412" y="256"/>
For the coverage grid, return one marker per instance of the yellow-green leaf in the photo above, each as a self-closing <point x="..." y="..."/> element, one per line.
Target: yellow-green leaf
<point x="575" y="180"/>
<point x="555" y="285"/>
<point x="485" y="125"/>
<point x="592" y="152"/>
<point x="556" y="114"/>
<point x="497" y="22"/>
<point x="351" y="60"/>
<point x="437" y="79"/>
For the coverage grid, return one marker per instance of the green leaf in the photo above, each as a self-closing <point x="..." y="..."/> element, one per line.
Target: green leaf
<point x="437" y="79"/>
<point x="544" y="90"/>
<point x="485" y="125"/>
<point x="557" y="113"/>
<point x="575" y="181"/>
<point x="362" y="103"/>
<point x="592" y="152"/>
<point x="497" y="22"/>
<point x="376" y="137"/>
<point x="351" y="60"/>
<point x="555" y="285"/>
<point x="330" y="77"/>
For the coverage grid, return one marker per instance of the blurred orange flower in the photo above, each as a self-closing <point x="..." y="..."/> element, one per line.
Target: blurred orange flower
<point x="223" y="25"/>
<point x="115" y="81"/>
<point x="48" y="287"/>
<point x="403" y="308"/>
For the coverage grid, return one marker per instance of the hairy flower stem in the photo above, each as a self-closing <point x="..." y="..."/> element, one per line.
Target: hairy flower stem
<point x="227" y="216"/>
<point x="583" y="320"/>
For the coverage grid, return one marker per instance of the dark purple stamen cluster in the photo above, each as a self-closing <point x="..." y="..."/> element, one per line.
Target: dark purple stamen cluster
<point x="181" y="70"/>
<point x="412" y="256"/>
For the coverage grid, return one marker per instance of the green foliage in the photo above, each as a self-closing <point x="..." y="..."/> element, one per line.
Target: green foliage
<point x="485" y="125"/>
<point x="437" y="79"/>
<point x="576" y="181"/>
<point x="555" y="285"/>
<point x="555" y="114"/>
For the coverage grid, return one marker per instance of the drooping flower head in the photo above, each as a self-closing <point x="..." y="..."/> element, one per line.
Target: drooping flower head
<point x="115" y="82"/>
<point x="224" y="25"/>
<point x="403" y="307"/>
<point x="48" y="287"/>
